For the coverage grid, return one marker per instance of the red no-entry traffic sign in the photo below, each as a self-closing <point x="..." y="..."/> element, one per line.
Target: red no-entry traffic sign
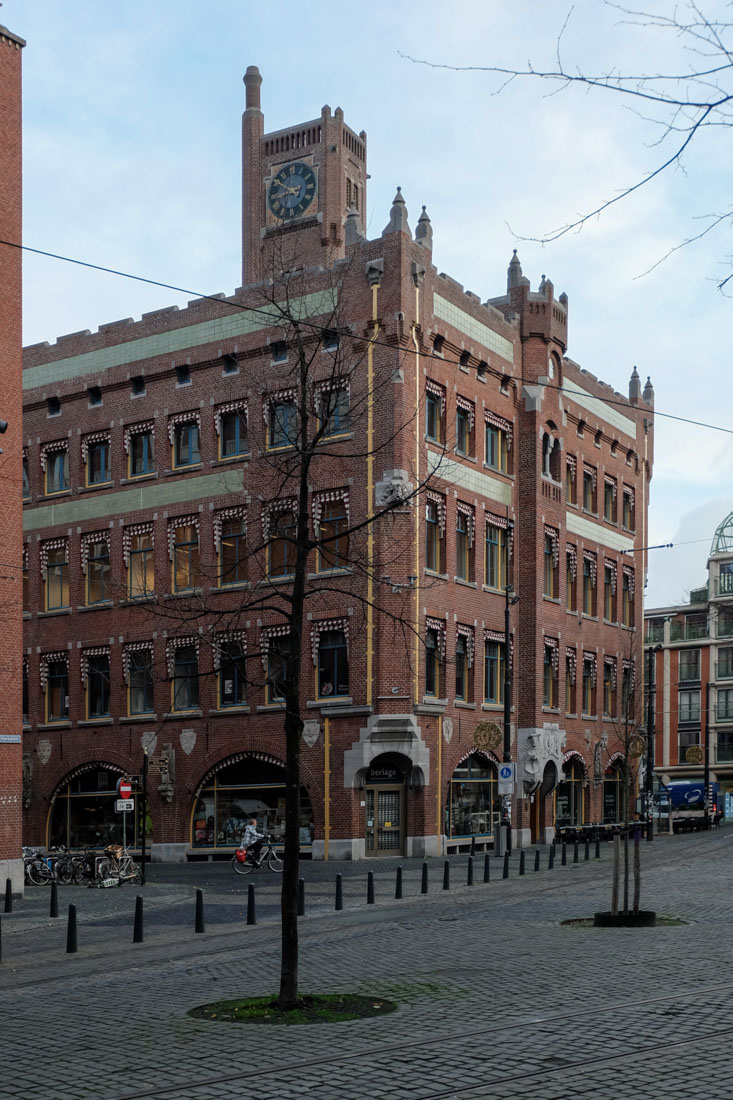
<point x="124" y="788"/>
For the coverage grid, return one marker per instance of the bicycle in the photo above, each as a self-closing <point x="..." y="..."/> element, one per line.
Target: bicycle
<point x="245" y="864"/>
<point x="124" y="865"/>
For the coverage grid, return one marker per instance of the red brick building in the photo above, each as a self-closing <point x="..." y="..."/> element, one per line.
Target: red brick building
<point x="11" y="413"/>
<point x="458" y="450"/>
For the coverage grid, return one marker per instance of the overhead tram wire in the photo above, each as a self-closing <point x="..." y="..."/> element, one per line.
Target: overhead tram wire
<point x="267" y="314"/>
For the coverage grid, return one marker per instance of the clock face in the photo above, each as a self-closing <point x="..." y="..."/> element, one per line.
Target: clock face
<point x="292" y="190"/>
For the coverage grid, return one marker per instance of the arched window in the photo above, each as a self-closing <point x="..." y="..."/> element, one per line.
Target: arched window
<point x="473" y="807"/>
<point x="569" y="795"/>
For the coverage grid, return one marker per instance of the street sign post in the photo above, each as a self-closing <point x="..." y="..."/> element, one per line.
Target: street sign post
<point x="124" y="788"/>
<point x="124" y="805"/>
<point x="506" y="779"/>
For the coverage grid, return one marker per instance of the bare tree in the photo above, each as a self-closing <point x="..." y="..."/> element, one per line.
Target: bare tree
<point x="679" y="105"/>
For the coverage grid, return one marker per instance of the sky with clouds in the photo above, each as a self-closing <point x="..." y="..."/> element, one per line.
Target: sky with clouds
<point x="132" y="161"/>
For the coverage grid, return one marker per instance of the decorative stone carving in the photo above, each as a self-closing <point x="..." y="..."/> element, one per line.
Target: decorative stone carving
<point x="149" y="742"/>
<point x="27" y="780"/>
<point x="43" y="749"/>
<point x="311" y="731"/>
<point x="488" y="735"/>
<point x="394" y="488"/>
<point x="188" y="740"/>
<point x="536" y="748"/>
<point x="167" y="773"/>
<point x="447" y="730"/>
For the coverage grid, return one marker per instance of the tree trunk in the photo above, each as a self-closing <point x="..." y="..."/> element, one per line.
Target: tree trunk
<point x="626" y="839"/>
<point x="637" y="870"/>
<point x="614" y="881"/>
<point x="289" y="897"/>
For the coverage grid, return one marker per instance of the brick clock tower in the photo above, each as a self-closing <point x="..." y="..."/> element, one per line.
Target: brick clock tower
<point x="11" y="441"/>
<point x="298" y="184"/>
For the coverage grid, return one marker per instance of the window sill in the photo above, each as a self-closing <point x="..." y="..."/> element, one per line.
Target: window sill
<point x="96" y="606"/>
<point x="222" y="712"/>
<point x="589" y="717"/>
<point x="609" y="622"/>
<point x="182" y="594"/>
<point x="27" y="615"/>
<point x="550" y="599"/>
<point x="434" y="701"/>
<point x="466" y="584"/>
<point x="571" y="503"/>
<point x="432" y="573"/>
<point x="242" y="457"/>
<point x="134" y="478"/>
<point x="103" y="720"/>
<point x="272" y="707"/>
<point x="178" y="714"/>
<point x="550" y="710"/>
<point x="285" y="579"/>
<point x="182" y="469"/>
<point x="590" y="618"/>
<point x="461" y="704"/>
<point x="54" y="496"/>
<point x="496" y="470"/>
<point x="499" y="591"/>
<point x="62" y="724"/>
<point x="280" y="447"/>
<point x="493" y="707"/>
<point x="571" y="611"/>
<point x="132" y="600"/>
<point x="330" y="573"/>
<point x="331" y="701"/>
<point x="589" y="512"/>
<point x="337" y="437"/>
<point x="236" y="587"/>
<point x="149" y="716"/>
<point x="570" y="714"/>
<point x="465" y="456"/>
<point x="610" y="521"/>
<point x="56" y="611"/>
<point x="93" y="486"/>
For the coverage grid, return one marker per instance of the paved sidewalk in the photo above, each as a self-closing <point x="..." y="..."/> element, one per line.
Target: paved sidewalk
<point x="497" y="998"/>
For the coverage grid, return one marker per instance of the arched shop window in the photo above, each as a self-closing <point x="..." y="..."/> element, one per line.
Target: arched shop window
<point x="569" y="795"/>
<point x="474" y="808"/>
<point x="249" y="785"/>
<point x="83" y="814"/>
<point x="613" y="788"/>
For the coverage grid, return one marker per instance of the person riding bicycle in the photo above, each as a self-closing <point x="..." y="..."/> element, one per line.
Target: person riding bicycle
<point x="252" y="840"/>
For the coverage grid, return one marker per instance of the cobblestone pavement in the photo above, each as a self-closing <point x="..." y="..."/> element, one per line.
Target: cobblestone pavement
<point x="497" y="998"/>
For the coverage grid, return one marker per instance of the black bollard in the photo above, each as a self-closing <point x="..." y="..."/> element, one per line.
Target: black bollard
<point x="8" y="896"/>
<point x="251" y="915"/>
<point x="54" y="910"/>
<point x="370" y="888"/>
<point x="398" y="885"/>
<point x="424" y="886"/>
<point x="469" y="873"/>
<point x="301" y="897"/>
<point x="71" y="946"/>
<point x="473" y="846"/>
<point x="575" y="852"/>
<point x="1" y="941"/>
<point x="536" y="859"/>
<point x="339" y="893"/>
<point x="587" y="850"/>
<point x="487" y="867"/>
<point x="564" y="859"/>
<point x="505" y="873"/>
<point x="199" y="925"/>
<point x="137" y="934"/>
<point x="551" y="858"/>
<point x="446" y="875"/>
<point x="521" y="862"/>
<point x="598" y="847"/>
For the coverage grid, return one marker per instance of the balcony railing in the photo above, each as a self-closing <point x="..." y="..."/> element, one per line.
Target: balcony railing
<point x="688" y="631"/>
<point x="654" y="632"/>
<point x="724" y="585"/>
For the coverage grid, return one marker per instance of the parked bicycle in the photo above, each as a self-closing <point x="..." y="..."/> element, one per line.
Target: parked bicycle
<point x="244" y="863"/>
<point x="56" y="865"/>
<point x="123" y="865"/>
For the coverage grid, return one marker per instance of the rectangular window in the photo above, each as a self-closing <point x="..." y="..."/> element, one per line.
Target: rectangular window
<point x="433" y="540"/>
<point x="233" y="551"/>
<point x="232" y="678"/>
<point x="570" y="684"/>
<point x="57" y="691"/>
<point x="97" y="693"/>
<point x="571" y="584"/>
<point x="57" y="471"/>
<point x="725" y="663"/>
<point x="627" y="691"/>
<point x="141" y="681"/>
<point x="550" y="567"/>
<point x="26" y="481"/>
<point x="233" y="438"/>
<point x="589" y="585"/>
<point x="725" y="625"/>
<point x="432" y="663"/>
<point x="142" y="454"/>
<point x="26" y="693"/>
<point x="186" y="574"/>
<point x="549" y="677"/>
<point x="496" y="448"/>
<point x="627" y="597"/>
<point x="334" y="411"/>
<point x="333" y="664"/>
<point x="609" y="677"/>
<point x="185" y="678"/>
<point x="333" y="546"/>
<point x="98" y="578"/>
<point x="494" y="672"/>
<point x="282" y="424"/>
<point x="495" y="557"/>
<point x="281" y="547"/>
<point x="609" y="595"/>
<point x="609" y="500"/>
<point x="589" y="492"/>
<point x="688" y="706"/>
<point x="141" y="570"/>
<point x="588" y="687"/>
<point x="464" y="570"/>
<point x="279" y="667"/>
<point x="57" y="578"/>
<point x="690" y="665"/>
<point x="687" y="738"/>
<point x="186" y="447"/>
<point x="98" y="468"/>
<point x="627" y="510"/>
<point x="571" y="483"/>
<point x="434" y="416"/>
<point x="462" y="669"/>
<point x="724" y="711"/>
<point x="464" y="435"/>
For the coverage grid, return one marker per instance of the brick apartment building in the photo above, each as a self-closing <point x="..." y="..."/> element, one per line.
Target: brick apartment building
<point x="689" y="670"/>
<point x="459" y="450"/>
<point x="11" y="530"/>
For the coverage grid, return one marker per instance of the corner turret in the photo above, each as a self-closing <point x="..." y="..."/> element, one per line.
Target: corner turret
<point x="397" y="216"/>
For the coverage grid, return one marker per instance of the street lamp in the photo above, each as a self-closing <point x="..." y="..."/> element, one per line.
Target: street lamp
<point x="706" y="776"/>
<point x="510" y="598"/>
<point x="650" y="736"/>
